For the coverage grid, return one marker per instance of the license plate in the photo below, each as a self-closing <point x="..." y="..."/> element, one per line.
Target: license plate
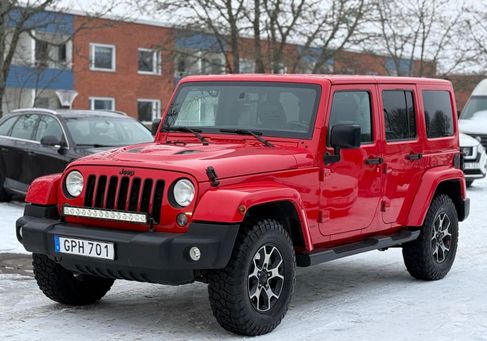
<point x="471" y="165"/>
<point x="82" y="247"/>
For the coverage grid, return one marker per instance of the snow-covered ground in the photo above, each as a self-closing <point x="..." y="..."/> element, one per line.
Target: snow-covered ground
<point x="365" y="297"/>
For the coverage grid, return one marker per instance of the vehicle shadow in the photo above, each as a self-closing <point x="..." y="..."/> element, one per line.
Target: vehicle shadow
<point x="185" y="311"/>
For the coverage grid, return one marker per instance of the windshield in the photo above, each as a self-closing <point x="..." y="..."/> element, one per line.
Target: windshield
<point x="474" y="104"/>
<point x="102" y="131"/>
<point x="275" y="109"/>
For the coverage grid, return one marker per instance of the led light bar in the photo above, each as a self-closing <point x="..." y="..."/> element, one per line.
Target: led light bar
<point x="105" y="214"/>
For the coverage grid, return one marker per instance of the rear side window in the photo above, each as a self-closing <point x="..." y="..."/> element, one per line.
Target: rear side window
<point x="24" y="127"/>
<point x="438" y="113"/>
<point x="399" y="115"/>
<point x="352" y="107"/>
<point x="48" y="126"/>
<point x="6" y="125"/>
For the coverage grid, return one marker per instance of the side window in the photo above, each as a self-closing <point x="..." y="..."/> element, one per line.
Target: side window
<point x="6" y="125"/>
<point x="353" y="107"/>
<point x="438" y="113"/>
<point x="48" y="126"/>
<point x="399" y="115"/>
<point x="24" y="127"/>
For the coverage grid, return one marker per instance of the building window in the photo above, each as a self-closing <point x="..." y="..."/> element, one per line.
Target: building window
<point x="41" y="102"/>
<point x="213" y="66"/>
<point x="102" y="103"/>
<point x="102" y="57"/>
<point x="62" y="53"/>
<point x="149" y="61"/>
<point x="148" y="109"/>
<point x="41" y="52"/>
<point x="247" y="66"/>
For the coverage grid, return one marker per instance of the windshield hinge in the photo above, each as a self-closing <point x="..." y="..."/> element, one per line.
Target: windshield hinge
<point x="210" y="172"/>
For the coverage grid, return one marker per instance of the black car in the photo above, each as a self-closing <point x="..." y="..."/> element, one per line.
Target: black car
<point x="36" y="142"/>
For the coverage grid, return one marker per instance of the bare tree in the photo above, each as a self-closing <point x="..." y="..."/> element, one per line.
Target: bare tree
<point x="426" y="32"/>
<point x="221" y="18"/>
<point x="477" y="29"/>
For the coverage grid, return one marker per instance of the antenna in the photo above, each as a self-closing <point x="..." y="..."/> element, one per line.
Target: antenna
<point x="66" y="97"/>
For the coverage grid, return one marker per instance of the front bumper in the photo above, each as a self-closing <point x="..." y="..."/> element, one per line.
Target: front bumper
<point x="479" y="170"/>
<point x="142" y="256"/>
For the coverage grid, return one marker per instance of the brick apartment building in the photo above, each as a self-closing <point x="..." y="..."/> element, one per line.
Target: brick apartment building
<point x="134" y="66"/>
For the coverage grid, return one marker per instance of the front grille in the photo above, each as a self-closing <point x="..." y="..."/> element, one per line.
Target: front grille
<point x="483" y="140"/>
<point x="125" y="194"/>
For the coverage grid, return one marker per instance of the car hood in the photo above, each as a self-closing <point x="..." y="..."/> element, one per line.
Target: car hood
<point x="468" y="141"/>
<point x="228" y="160"/>
<point x="477" y="124"/>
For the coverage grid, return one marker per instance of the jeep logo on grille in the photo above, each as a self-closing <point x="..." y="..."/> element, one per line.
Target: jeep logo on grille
<point x="127" y="172"/>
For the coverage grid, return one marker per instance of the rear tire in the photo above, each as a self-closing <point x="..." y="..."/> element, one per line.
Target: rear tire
<point x="431" y="256"/>
<point x="263" y="261"/>
<point x="469" y="183"/>
<point x="64" y="286"/>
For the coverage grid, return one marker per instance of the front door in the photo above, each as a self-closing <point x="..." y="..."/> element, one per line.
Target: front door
<point x="352" y="187"/>
<point x="49" y="159"/>
<point x="403" y="148"/>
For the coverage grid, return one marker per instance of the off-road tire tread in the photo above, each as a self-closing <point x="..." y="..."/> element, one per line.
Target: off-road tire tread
<point x="417" y="258"/>
<point x="226" y="302"/>
<point x="61" y="286"/>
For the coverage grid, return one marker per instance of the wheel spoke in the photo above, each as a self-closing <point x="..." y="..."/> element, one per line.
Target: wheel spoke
<point x="444" y="248"/>
<point x="267" y="256"/>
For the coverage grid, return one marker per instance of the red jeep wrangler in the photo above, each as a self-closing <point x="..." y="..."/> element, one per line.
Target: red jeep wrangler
<point x="248" y="177"/>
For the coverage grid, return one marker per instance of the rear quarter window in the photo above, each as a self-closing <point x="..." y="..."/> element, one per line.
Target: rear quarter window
<point x="438" y="113"/>
<point x="6" y="125"/>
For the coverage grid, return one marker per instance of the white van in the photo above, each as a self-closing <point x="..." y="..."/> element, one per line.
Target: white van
<point x="473" y="122"/>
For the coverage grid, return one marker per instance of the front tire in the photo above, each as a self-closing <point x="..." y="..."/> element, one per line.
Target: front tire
<point x="64" y="286"/>
<point x="431" y="256"/>
<point x="251" y="295"/>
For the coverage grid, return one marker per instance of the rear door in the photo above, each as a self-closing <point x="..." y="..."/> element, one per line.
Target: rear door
<point x="403" y="149"/>
<point x="6" y="145"/>
<point x="20" y="170"/>
<point x="352" y="187"/>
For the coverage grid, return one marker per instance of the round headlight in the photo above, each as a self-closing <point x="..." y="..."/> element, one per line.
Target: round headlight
<point x="183" y="192"/>
<point x="74" y="183"/>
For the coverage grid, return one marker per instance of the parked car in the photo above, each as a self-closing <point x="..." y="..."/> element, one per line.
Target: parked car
<point x="473" y="119"/>
<point x="475" y="159"/>
<point x="250" y="176"/>
<point x="36" y="142"/>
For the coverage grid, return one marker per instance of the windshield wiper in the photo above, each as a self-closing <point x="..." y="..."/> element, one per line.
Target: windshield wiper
<point x="195" y="132"/>
<point x="256" y="134"/>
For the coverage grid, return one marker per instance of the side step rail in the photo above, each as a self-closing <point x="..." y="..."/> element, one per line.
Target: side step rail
<point x="368" y="244"/>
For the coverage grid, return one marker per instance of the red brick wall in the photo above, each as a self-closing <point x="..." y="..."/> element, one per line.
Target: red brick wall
<point x="124" y="84"/>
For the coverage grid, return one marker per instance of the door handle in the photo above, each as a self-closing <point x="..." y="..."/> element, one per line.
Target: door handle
<point x="374" y="161"/>
<point x="413" y="157"/>
<point x="5" y="150"/>
<point x="31" y="153"/>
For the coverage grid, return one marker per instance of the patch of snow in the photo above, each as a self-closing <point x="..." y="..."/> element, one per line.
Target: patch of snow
<point x="9" y="213"/>
<point x="364" y="297"/>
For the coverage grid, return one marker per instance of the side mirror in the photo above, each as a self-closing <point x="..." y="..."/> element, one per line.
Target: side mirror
<point x="155" y="126"/>
<point x="51" y="141"/>
<point x="346" y="136"/>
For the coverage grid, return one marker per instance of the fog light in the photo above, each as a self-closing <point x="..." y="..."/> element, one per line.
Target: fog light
<point x="195" y="253"/>
<point x="182" y="219"/>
